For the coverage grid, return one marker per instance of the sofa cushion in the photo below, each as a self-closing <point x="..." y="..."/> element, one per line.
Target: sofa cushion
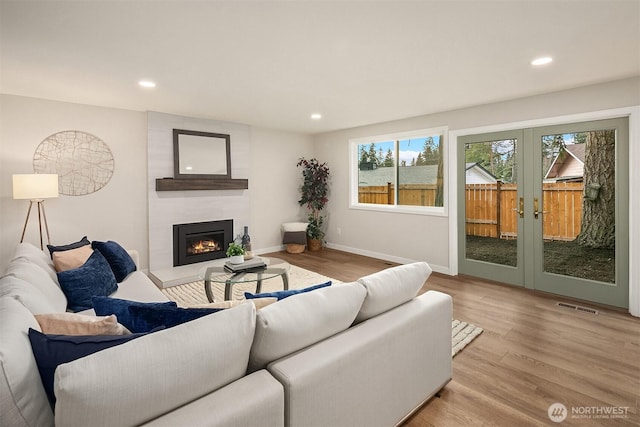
<point x="104" y="306"/>
<point x="155" y="373"/>
<point x="37" y="256"/>
<point x="82" y="242"/>
<point x="284" y="294"/>
<point x="79" y="324"/>
<point x="93" y="278"/>
<point x="146" y="318"/>
<point x="389" y="288"/>
<point x="295" y="226"/>
<point x="138" y="287"/>
<point x="303" y="319"/>
<point x="23" y="401"/>
<point x="51" y="351"/>
<point x="38" y="278"/>
<point x="73" y="258"/>
<point x="118" y="258"/>
<point x="27" y="294"/>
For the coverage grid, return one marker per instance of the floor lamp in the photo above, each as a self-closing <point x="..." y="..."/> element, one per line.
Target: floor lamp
<point x="36" y="188"/>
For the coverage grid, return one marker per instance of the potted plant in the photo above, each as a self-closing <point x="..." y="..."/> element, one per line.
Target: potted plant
<point x="235" y="252"/>
<point x="313" y="195"/>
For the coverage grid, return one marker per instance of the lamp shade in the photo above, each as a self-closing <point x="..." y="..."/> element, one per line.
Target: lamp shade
<point x="35" y="186"/>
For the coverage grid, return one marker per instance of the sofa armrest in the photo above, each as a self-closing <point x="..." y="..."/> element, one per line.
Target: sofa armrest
<point x="374" y="373"/>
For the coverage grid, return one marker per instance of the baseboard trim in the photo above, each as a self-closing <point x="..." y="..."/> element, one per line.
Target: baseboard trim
<point x="386" y="257"/>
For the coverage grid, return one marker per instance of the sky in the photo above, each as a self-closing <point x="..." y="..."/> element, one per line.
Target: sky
<point x="409" y="148"/>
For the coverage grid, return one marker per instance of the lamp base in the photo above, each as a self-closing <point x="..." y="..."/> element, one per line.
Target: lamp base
<point x="41" y="215"/>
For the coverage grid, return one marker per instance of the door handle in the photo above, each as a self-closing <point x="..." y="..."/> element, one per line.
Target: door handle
<point x="535" y="208"/>
<point x="520" y="208"/>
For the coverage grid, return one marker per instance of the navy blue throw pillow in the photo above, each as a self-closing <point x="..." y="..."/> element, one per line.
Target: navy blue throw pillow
<point x="93" y="278"/>
<point x="104" y="306"/>
<point x="147" y="318"/>
<point x="53" y="350"/>
<point x="118" y="258"/>
<point x="284" y="294"/>
<point x="82" y="242"/>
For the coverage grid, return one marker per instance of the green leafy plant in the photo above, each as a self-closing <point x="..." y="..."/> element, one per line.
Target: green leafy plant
<point x="235" y="249"/>
<point x="313" y="194"/>
<point x="314" y="229"/>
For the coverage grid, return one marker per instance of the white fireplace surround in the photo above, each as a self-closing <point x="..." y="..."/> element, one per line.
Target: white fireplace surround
<point x="176" y="207"/>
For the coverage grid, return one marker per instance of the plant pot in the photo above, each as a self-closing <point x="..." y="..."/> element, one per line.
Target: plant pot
<point x="236" y="259"/>
<point x="294" y="248"/>
<point x="314" y="244"/>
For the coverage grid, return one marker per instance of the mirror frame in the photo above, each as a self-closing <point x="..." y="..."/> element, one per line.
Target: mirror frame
<point x="176" y="154"/>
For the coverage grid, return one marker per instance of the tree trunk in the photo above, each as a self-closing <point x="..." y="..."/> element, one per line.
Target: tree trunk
<point x="598" y="228"/>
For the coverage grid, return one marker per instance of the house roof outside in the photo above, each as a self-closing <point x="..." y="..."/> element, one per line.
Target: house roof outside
<point x="577" y="151"/>
<point x="412" y="175"/>
<point x="408" y="175"/>
<point x="481" y="169"/>
<point x="574" y="152"/>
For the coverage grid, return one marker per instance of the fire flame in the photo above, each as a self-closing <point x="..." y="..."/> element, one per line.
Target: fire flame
<point x="204" y="246"/>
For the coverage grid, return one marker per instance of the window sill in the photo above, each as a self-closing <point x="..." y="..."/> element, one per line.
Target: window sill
<point x="412" y="210"/>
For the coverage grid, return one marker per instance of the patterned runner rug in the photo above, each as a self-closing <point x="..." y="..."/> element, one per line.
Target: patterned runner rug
<point x="189" y="294"/>
<point x="462" y="333"/>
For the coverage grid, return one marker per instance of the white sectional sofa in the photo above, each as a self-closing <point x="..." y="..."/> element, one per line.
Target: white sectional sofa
<point x="366" y="353"/>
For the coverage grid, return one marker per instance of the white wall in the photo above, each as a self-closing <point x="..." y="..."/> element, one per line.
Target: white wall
<point x="407" y="237"/>
<point x="274" y="183"/>
<point x="117" y="212"/>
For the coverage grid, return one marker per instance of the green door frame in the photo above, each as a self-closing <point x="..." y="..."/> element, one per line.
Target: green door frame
<point x="529" y="271"/>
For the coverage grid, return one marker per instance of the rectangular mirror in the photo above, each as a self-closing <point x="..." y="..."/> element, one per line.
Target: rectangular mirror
<point x="201" y="155"/>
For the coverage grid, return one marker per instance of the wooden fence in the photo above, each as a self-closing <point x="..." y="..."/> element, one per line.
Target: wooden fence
<point x="410" y="194"/>
<point x="491" y="208"/>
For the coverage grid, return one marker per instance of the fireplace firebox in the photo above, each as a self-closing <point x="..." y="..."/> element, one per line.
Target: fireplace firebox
<point x="201" y="241"/>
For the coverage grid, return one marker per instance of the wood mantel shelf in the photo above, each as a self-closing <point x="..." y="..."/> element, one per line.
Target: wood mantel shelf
<point x="172" y="184"/>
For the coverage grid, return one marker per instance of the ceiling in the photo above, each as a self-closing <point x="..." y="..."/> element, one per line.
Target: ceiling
<point x="272" y="64"/>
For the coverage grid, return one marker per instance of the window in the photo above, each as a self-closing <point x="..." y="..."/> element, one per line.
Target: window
<point x="401" y="172"/>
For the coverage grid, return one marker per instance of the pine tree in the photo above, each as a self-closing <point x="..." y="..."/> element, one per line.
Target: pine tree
<point x="372" y="154"/>
<point x="388" y="159"/>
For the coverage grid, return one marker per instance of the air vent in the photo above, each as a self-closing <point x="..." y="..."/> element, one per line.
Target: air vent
<point x="577" y="308"/>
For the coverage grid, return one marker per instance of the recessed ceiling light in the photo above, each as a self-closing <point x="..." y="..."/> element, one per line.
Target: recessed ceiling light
<point x="542" y="61"/>
<point x="147" y="83"/>
<point x="316" y="116"/>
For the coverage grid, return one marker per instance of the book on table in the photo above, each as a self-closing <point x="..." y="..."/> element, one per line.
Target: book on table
<point x="254" y="264"/>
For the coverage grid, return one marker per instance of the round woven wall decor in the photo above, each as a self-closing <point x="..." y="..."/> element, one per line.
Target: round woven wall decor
<point x="83" y="162"/>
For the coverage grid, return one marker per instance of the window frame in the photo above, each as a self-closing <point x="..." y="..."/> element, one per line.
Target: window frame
<point x="354" y="158"/>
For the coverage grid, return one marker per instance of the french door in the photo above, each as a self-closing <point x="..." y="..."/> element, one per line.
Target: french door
<point x="547" y="208"/>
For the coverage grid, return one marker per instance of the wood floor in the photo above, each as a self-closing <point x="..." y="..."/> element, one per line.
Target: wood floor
<point x="531" y="354"/>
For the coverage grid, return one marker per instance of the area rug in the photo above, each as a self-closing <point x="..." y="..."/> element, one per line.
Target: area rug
<point x="189" y="294"/>
<point x="462" y="333"/>
<point x="193" y="293"/>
